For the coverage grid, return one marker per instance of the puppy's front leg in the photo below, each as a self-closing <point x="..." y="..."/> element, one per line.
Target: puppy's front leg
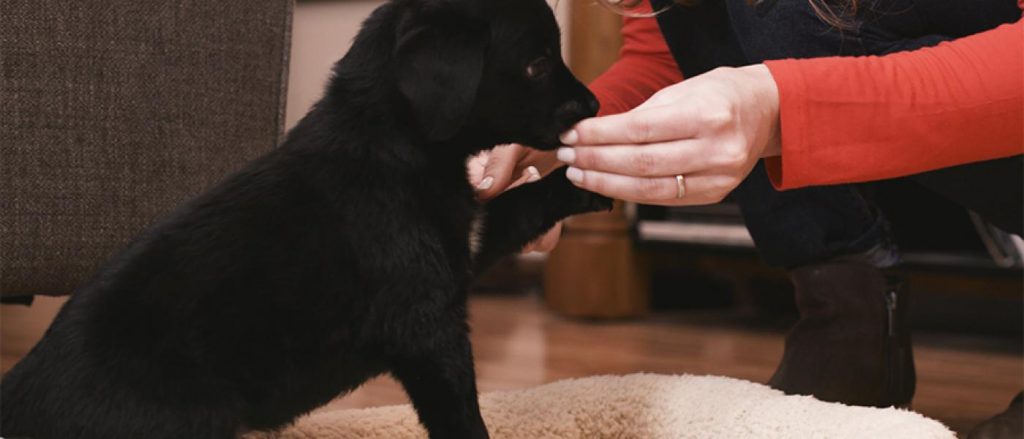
<point x="442" y="387"/>
<point x="523" y="214"/>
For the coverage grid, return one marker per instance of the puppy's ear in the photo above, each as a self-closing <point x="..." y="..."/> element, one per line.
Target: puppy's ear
<point x="440" y="62"/>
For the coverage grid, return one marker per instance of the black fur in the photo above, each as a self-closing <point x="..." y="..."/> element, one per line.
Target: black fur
<point x="341" y="255"/>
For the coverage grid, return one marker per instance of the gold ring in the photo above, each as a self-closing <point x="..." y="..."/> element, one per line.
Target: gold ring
<point x="680" y="186"/>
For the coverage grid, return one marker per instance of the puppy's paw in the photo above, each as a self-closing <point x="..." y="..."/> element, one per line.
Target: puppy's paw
<point x="572" y="199"/>
<point x="577" y="201"/>
<point x="593" y="202"/>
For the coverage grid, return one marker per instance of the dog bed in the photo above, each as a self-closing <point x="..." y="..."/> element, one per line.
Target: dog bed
<point x="641" y="406"/>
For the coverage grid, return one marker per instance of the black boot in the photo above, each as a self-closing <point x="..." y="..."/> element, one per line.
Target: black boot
<point x="852" y="343"/>
<point x="1008" y="424"/>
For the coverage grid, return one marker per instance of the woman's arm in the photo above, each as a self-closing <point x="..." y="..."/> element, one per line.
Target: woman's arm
<point x="847" y="120"/>
<point x="843" y="120"/>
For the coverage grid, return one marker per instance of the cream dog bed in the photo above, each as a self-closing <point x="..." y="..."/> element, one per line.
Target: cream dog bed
<point x="641" y="406"/>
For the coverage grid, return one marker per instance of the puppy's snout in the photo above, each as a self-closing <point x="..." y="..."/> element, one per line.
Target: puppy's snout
<point x="574" y="111"/>
<point x="592" y="105"/>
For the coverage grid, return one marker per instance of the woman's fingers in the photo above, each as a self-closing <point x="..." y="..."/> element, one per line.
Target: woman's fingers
<point x="650" y="160"/>
<point x="543" y="161"/>
<point x="697" y="188"/>
<point x="499" y="171"/>
<point x="508" y="166"/>
<point x="642" y="125"/>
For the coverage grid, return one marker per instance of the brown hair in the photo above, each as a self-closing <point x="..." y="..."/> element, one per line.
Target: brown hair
<point x="836" y="13"/>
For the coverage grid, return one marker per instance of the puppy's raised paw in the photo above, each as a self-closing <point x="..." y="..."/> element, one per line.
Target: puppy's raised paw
<point x="593" y="202"/>
<point x="572" y="199"/>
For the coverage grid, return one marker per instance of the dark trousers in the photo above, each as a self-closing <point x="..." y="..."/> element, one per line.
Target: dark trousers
<point x="803" y="226"/>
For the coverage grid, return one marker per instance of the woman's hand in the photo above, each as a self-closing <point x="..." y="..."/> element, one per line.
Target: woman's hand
<point x="711" y="130"/>
<point x="507" y="166"/>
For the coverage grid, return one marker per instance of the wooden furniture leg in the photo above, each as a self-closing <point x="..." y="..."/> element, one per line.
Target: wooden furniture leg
<point x="596" y="272"/>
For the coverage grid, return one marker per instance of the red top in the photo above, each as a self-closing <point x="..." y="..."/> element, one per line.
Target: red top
<point x="855" y="119"/>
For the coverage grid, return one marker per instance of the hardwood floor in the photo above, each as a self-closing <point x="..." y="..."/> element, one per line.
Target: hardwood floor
<point x="961" y="380"/>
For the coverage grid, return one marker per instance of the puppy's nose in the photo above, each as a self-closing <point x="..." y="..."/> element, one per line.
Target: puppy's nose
<point x="575" y="110"/>
<point x="593" y="105"/>
<point x="572" y="111"/>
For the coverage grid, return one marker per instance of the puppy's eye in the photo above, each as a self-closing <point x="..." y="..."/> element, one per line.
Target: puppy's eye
<point x="538" y="68"/>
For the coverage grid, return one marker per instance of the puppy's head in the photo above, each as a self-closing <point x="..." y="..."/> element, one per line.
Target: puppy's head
<point x="487" y="70"/>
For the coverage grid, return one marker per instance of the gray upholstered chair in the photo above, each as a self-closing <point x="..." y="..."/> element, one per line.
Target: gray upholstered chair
<point x="114" y="112"/>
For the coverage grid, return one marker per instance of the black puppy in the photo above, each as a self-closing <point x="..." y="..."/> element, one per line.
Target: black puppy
<point x="341" y="255"/>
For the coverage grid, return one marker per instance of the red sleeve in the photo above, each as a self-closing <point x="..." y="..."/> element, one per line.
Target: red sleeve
<point x="645" y="66"/>
<point x="848" y="120"/>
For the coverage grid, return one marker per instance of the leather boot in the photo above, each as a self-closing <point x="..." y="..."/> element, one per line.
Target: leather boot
<point x="1008" y="424"/>
<point x="852" y="343"/>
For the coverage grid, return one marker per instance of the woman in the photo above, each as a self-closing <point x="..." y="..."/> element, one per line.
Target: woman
<point x="817" y="122"/>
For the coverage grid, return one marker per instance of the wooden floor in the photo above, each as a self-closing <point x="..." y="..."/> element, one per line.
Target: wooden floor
<point x="517" y="343"/>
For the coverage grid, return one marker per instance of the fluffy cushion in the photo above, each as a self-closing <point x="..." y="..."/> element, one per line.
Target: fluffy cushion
<point x="644" y="406"/>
